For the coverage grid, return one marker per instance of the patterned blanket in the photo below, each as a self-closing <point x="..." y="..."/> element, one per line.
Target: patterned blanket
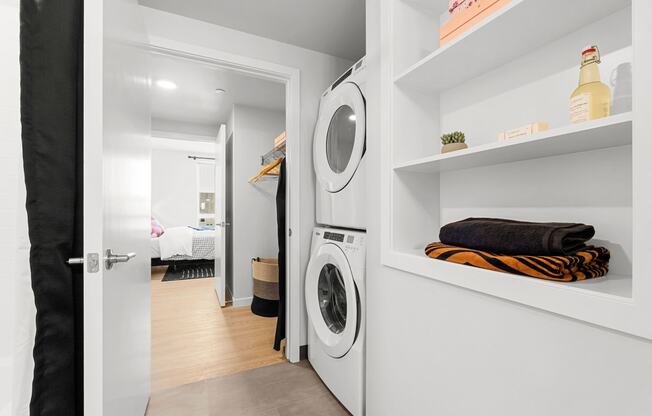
<point x="587" y="263"/>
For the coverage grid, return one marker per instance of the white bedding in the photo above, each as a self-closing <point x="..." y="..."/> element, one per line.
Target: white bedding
<point x="176" y="241"/>
<point x="184" y="243"/>
<point x="156" y="248"/>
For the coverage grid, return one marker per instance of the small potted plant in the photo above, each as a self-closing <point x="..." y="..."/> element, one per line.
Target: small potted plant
<point x="452" y="142"/>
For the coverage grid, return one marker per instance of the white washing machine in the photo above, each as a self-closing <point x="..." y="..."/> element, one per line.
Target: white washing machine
<point x="335" y="300"/>
<point x="339" y="149"/>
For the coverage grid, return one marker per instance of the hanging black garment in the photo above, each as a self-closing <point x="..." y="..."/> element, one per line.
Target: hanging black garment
<point x="51" y="39"/>
<point x="280" y="218"/>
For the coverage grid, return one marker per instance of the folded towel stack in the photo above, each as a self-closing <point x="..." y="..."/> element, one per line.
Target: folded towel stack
<point x="552" y="251"/>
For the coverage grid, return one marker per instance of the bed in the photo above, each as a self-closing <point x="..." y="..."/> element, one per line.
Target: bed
<point x="183" y="244"/>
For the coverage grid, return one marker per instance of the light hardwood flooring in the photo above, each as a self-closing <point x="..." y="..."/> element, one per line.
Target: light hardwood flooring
<point x="278" y="390"/>
<point x="194" y="339"/>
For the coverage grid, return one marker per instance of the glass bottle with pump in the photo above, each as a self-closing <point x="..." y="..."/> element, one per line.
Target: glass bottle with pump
<point x="592" y="98"/>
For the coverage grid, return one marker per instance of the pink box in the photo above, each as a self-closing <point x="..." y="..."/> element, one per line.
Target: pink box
<point x="472" y="13"/>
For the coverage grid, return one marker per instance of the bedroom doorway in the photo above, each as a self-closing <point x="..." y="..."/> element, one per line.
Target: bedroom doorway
<point x="218" y="137"/>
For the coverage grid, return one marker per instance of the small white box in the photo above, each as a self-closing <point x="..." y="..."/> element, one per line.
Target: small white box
<point x="524" y="131"/>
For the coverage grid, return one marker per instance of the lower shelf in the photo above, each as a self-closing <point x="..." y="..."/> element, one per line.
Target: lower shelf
<point x="606" y="301"/>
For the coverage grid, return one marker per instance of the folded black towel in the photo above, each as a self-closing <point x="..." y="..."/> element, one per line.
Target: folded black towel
<point x="517" y="237"/>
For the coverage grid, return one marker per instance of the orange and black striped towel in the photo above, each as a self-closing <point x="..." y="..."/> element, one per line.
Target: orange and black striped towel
<point x="588" y="263"/>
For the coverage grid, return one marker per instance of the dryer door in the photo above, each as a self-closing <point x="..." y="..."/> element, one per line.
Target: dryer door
<point x="332" y="300"/>
<point x="340" y="136"/>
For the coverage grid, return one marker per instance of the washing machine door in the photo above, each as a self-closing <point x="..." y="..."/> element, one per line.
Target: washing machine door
<point x="340" y="136"/>
<point x="332" y="300"/>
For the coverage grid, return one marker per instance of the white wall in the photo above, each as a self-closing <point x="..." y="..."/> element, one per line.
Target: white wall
<point x="435" y="349"/>
<point x="174" y="181"/>
<point x="9" y="143"/>
<point x="318" y="71"/>
<point x="254" y="205"/>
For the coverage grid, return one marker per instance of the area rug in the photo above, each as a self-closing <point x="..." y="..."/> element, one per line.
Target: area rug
<point x="201" y="270"/>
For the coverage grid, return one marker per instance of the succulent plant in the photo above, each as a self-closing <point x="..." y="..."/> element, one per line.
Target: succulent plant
<point x="454" y="137"/>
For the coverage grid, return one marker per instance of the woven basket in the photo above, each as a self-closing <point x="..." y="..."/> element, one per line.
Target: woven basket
<point x="265" y="274"/>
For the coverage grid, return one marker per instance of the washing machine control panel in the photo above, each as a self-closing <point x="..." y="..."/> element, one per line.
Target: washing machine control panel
<point x="347" y="239"/>
<point x="334" y="236"/>
<point x="351" y="242"/>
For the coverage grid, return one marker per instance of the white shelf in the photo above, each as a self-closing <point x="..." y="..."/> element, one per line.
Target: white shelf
<point x="515" y="30"/>
<point x="599" y="134"/>
<point x="605" y="301"/>
<point x="430" y="7"/>
<point x="613" y="286"/>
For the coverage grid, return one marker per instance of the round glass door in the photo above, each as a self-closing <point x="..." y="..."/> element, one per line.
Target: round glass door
<point x="340" y="138"/>
<point x="332" y="298"/>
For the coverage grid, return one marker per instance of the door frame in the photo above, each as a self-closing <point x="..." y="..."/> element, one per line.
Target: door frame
<point x="291" y="78"/>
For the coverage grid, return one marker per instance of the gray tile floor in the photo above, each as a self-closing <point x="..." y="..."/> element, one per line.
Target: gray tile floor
<point x="277" y="390"/>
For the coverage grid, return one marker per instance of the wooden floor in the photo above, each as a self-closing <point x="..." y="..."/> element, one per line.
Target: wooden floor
<point x="193" y="339"/>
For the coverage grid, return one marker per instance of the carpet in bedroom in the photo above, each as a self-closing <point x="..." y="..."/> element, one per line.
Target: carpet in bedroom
<point x="190" y="271"/>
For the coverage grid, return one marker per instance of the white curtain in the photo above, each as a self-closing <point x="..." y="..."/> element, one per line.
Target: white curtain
<point x="25" y="311"/>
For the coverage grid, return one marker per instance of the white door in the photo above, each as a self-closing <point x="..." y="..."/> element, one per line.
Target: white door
<point x="117" y="153"/>
<point x="332" y="300"/>
<point x="340" y="136"/>
<point x="220" y="216"/>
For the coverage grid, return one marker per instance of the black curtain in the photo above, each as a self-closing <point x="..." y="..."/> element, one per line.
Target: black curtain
<point x="51" y="40"/>
<point x="280" y="219"/>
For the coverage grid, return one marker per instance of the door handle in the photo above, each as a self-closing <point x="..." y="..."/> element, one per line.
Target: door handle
<point x="224" y="224"/>
<point x="110" y="259"/>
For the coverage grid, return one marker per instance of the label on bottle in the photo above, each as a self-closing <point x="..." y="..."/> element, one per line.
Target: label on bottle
<point x="580" y="108"/>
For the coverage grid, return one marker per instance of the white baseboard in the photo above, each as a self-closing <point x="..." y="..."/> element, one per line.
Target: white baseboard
<point x="237" y="302"/>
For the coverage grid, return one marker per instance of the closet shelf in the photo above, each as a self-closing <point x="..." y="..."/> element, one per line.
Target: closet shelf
<point x="513" y="31"/>
<point x="599" y="134"/>
<point x="271" y="161"/>
<point x="271" y="170"/>
<point x="277" y="152"/>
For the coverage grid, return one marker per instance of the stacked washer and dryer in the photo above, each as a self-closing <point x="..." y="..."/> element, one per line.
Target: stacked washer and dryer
<point x="335" y="278"/>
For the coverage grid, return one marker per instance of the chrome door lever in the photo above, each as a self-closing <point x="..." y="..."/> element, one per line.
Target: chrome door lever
<point x="110" y="259"/>
<point x="224" y="224"/>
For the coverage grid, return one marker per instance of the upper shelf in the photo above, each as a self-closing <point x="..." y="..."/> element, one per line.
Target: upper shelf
<point x="598" y="134"/>
<point x="515" y="30"/>
<point x="278" y="151"/>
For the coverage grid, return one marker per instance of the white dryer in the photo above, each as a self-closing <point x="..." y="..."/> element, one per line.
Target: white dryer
<point x="338" y="151"/>
<point x="335" y="300"/>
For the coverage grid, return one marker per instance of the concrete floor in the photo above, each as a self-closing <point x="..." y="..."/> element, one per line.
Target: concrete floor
<point x="276" y="390"/>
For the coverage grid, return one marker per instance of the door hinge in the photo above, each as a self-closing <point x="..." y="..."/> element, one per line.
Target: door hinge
<point x="289" y="232"/>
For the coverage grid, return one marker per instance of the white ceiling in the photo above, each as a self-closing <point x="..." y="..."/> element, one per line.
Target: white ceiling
<point x="335" y="27"/>
<point x="194" y="108"/>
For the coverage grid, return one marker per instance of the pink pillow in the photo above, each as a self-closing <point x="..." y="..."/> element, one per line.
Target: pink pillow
<point x="157" y="228"/>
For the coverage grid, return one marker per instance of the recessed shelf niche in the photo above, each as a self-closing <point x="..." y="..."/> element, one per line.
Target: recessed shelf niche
<point x="510" y="70"/>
